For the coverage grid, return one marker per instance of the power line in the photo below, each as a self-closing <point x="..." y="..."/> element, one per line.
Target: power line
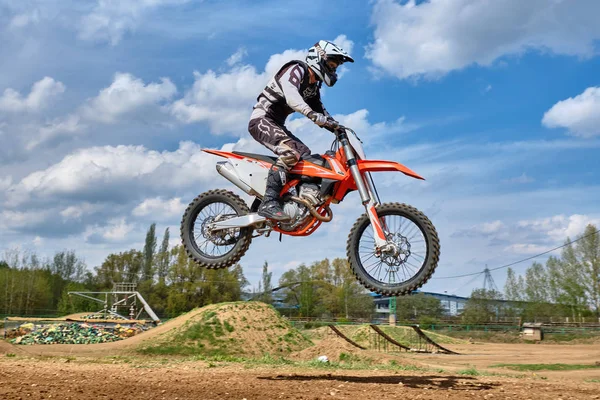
<point x="520" y="261"/>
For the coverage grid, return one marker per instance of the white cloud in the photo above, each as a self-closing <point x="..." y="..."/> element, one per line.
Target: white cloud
<point x="22" y="20"/>
<point x="5" y="182"/>
<point x="492" y="227"/>
<point x="236" y="57"/>
<point x="125" y="95"/>
<point x="529" y="249"/>
<point x="117" y="230"/>
<point x="60" y="127"/>
<point x="111" y="19"/>
<point x="495" y="229"/>
<point x="524" y="178"/>
<point x="115" y="171"/>
<point x="10" y="219"/>
<point x="225" y="100"/>
<point x="41" y="93"/>
<point x="159" y="208"/>
<point x="435" y="37"/>
<point x="559" y="227"/>
<point x="346" y="44"/>
<point x="77" y="211"/>
<point x="579" y="114"/>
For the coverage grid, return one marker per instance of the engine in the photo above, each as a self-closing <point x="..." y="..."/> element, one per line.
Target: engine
<point x="297" y="212"/>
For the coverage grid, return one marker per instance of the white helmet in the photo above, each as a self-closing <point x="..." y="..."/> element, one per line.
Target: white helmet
<point x="323" y="58"/>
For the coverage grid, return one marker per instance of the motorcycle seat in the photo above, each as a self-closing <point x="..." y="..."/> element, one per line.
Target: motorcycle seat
<point x="312" y="158"/>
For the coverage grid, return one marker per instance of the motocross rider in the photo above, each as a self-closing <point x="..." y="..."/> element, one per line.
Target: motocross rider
<point x="295" y="87"/>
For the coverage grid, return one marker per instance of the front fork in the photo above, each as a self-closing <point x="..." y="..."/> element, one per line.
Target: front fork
<point x="368" y="196"/>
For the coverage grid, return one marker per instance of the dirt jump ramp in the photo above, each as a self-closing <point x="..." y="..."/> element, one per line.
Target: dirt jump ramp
<point x="389" y="338"/>
<point x="423" y="336"/>
<point x="346" y="338"/>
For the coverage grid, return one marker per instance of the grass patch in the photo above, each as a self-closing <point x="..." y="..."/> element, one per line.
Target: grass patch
<point x="349" y="357"/>
<point x="593" y="380"/>
<point x="11" y="355"/>
<point x="469" y="371"/>
<point x="472" y="371"/>
<point x="545" y="367"/>
<point x="578" y="337"/>
<point x="228" y="326"/>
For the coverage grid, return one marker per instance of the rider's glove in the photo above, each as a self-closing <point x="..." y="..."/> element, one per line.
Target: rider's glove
<point x="323" y="121"/>
<point x="317" y="118"/>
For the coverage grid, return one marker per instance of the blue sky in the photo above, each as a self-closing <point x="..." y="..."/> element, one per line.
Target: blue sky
<point x="105" y="105"/>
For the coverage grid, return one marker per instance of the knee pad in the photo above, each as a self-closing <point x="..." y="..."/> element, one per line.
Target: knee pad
<point x="287" y="161"/>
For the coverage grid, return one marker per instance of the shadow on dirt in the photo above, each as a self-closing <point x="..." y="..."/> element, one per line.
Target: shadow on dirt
<point x="418" y="382"/>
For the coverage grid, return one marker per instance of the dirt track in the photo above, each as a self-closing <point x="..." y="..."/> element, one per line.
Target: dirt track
<point x="69" y="377"/>
<point x="116" y="371"/>
<point x="20" y="379"/>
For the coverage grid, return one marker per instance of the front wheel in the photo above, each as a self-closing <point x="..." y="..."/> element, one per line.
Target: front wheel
<point x="415" y="255"/>
<point x="214" y="249"/>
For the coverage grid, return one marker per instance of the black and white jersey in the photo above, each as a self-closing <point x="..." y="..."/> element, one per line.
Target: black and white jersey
<point x="289" y="91"/>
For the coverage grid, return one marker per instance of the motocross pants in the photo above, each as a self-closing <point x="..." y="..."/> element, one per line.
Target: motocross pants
<point x="289" y="149"/>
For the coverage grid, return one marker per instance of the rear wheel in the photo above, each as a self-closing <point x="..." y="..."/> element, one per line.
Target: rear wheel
<point x="415" y="254"/>
<point x="214" y="249"/>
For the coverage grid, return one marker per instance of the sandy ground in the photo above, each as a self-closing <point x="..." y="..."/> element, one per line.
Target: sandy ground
<point x="115" y="371"/>
<point x="59" y="379"/>
<point x="81" y="374"/>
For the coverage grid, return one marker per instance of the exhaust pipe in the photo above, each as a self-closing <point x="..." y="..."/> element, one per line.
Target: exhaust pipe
<point x="227" y="171"/>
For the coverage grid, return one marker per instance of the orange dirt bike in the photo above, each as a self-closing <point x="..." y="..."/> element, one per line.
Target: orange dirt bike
<point x="392" y="248"/>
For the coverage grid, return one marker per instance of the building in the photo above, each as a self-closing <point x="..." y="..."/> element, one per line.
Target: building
<point x="453" y="305"/>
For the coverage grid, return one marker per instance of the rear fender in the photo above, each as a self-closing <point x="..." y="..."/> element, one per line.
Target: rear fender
<point x="378" y="166"/>
<point x="225" y="154"/>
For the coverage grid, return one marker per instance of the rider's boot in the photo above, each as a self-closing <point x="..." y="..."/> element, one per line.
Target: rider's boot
<point x="271" y="204"/>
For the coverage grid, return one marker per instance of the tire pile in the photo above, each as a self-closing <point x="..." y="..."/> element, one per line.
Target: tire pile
<point x="20" y="331"/>
<point x="68" y="334"/>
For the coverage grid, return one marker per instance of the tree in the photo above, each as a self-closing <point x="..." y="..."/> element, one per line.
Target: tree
<point x="163" y="258"/>
<point x="24" y="285"/>
<point x="482" y="306"/>
<point x="418" y="307"/>
<point x="587" y="253"/>
<point x="566" y="283"/>
<point x="149" y="251"/>
<point x="327" y="289"/>
<point x="352" y="298"/>
<point x="193" y="286"/>
<point x="72" y="304"/>
<point x="267" y="287"/>
<point x="68" y="266"/>
<point x="122" y="267"/>
<point x="300" y="291"/>
<point x="514" y="288"/>
<point x="536" y="284"/>
<point x="65" y="267"/>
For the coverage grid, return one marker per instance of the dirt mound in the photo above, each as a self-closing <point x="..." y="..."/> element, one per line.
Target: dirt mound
<point x="240" y="329"/>
<point x="7" y="348"/>
<point x="332" y="347"/>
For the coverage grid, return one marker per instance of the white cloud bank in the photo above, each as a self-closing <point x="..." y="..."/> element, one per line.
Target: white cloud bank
<point x="579" y="114"/>
<point x="435" y="37"/>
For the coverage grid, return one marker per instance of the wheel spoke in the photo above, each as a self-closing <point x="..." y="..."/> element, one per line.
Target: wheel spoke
<point x="214" y="244"/>
<point x="389" y="267"/>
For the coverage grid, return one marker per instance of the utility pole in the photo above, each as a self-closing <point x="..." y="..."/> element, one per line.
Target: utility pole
<point x="392" y="306"/>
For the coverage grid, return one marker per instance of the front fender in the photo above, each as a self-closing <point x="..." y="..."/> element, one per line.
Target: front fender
<point x="377" y="166"/>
